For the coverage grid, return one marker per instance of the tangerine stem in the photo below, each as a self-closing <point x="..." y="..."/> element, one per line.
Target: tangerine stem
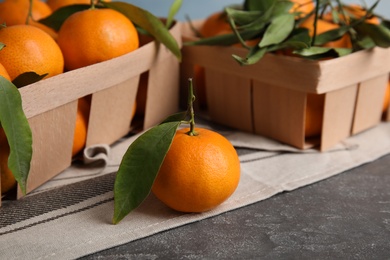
<point x="29" y="12"/>
<point x="191" y="99"/>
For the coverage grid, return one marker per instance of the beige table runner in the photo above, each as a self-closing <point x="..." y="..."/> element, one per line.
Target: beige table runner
<point x="70" y="216"/>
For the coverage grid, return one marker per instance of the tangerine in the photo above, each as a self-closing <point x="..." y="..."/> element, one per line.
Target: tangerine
<point x="95" y="35"/>
<point x="81" y="126"/>
<point x="302" y="7"/>
<point x="198" y="173"/>
<point x="214" y="24"/>
<point x="27" y="49"/>
<point x="386" y="101"/>
<point x="4" y="73"/>
<point x="324" y="26"/>
<point x="57" y="4"/>
<point x="352" y="11"/>
<point x="314" y="114"/>
<point x="7" y="179"/>
<point x="15" y="12"/>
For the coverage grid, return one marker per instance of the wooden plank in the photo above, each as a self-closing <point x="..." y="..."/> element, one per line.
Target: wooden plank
<point x="52" y="134"/>
<point x="369" y="104"/>
<point x="279" y="113"/>
<point x="338" y="116"/>
<point x="111" y="112"/>
<point x="229" y="100"/>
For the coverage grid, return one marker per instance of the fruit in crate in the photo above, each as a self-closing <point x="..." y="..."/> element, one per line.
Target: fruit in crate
<point x="279" y="27"/>
<point x="96" y="35"/>
<point x="27" y="49"/>
<point x="295" y="28"/>
<point x="57" y="4"/>
<point x="14" y="12"/>
<point x="118" y="17"/>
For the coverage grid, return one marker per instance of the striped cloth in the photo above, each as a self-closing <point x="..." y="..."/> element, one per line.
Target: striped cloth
<point x="70" y="216"/>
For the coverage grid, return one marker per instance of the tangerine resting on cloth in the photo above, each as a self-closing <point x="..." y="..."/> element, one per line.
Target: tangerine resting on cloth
<point x="95" y="35"/>
<point x="198" y="173"/>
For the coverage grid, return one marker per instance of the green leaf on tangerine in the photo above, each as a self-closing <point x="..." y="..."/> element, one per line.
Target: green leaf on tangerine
<point x="378" y="33"/>
<point x="17" y="130"/>
<point x="57" y="18"/>
<point x="27" y="78"/>
<point x="149" y="23"/>
<point x="253" y="56"/>
<point x="139" y="168"/>
<point x="256" y="5"/>
<point x="176" y="117"/>
<point x="279" y="29"/>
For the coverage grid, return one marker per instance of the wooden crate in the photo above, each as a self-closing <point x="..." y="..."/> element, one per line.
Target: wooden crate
<point x="269" y="97"/>
<point x="51" y="104"/>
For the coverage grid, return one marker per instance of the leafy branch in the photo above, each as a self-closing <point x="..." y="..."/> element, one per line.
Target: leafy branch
<point x="142" y="161"/>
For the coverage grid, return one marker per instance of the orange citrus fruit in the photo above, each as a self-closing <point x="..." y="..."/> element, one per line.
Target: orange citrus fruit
<point x="324" y="26"/>
<point x="14" y="12"/>
<point x="199" y="83"/>
<point x="95" y="35"/>
<point x="4" y="73"/>
<point x="29" y="49"/>
<point x="56" y="4"/>
<point x="214" y="24"/>
<point x="352" y="11"/>
<point x="81" y="126"/>
<point x="314" y="114"/>
<point x="198" y="173"/>
<point x="6" y="178"/>
<point x="386" y="101"/>
<point x="302" y="6"/>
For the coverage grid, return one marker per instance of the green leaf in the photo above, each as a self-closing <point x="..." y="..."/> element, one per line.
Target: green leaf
<point x="315" y="52"/>
<point x="281" y="7"/>
<point x="242" y="17"/>
<point x="17" y="131"/>
<point x="365" y="43"/>
<point x="139" y="168"/>
<point x="298" y="39"/>
<point x="378" y="33"/>
<point x="149" y="23"/>
<point x="176" y="117"/>
<point x="279" y="29"/>
<point x="175" y="7"/>
<point x="2" y="45"/>
<point x="253" y="56"/>
<point x="256" y="5"/>
<point x="331" y="35"/>
<point x="386" y="23"/>
<point x="57" y="18"/>
<point x="27" y="78"/>
<point x="224" y="39"/>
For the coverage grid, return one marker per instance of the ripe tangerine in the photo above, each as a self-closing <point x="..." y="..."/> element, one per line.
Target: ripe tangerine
<point x="95" y="35"/>
<point x="198" y="173"/>
<point x="27" y="49"/>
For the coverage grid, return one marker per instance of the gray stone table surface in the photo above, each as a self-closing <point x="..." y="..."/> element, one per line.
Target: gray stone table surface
<point x="343" y="217"/>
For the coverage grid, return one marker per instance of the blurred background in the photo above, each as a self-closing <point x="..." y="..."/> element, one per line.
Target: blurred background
<point x="199" y="9"/>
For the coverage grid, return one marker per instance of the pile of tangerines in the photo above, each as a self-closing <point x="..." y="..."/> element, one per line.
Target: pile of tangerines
<point x="330" y="17"/>
<point x="31" y="46"/>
